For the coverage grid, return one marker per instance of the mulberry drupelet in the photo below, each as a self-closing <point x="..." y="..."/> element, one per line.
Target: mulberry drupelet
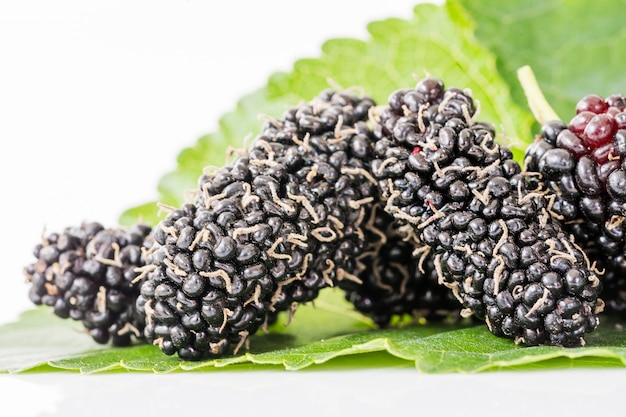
<point x="491" y="230"/>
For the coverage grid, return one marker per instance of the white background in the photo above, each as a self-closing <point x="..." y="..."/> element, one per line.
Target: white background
<point x="96" y="100"/>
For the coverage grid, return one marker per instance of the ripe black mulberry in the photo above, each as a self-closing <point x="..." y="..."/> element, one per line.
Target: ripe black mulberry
<point x="266" y="232"/>
<point x="90" y="274"/>
<point x="495" y="242"/>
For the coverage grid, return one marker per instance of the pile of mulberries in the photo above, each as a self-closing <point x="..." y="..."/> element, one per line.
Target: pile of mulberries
<point x="266" y="232"/>
<point x="92" y="274"/>
<point x="297" y="213"/>
<point x="495" y="242"/>
<point x="410" y="208"/>
<point x="584" y="170"/>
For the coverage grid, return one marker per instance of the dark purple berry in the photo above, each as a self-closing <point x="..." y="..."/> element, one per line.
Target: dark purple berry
<point x="92" y="274"/>
<point x="496" y="244"/>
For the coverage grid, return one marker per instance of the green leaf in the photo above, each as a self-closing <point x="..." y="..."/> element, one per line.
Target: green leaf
<point x="39" y="337"/>
<point x="476" y="350"/>
<point x="574" y="47"/>
<point x="437" y="40"/>
<point x="329" y="334"/>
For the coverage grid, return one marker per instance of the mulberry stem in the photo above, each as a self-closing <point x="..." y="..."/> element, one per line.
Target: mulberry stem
<point x="539" y="106"/>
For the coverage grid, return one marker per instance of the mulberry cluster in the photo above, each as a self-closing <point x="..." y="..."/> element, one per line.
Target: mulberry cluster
<point x="90" y="274"/>
<point x="584" y="169"/>
<point x="412" y="208"/>
<point x="491" y="231"/>
<point x="266" y="232"/>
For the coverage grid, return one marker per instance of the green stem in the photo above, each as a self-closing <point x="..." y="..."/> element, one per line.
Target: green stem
<point x="538" y="104"/>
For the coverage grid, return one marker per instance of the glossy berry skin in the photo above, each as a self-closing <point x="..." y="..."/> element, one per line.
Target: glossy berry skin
<point x="583" y="167"/>
<point x="89" y="273"/>
<point x="265" y="233"/>
<point x="494" y="241"/>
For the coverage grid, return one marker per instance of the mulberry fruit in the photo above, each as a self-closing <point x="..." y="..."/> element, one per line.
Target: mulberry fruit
<point x="265" y="233"/>
<point x="583" y="168"/>
<point x="89" y="274"/>
<point x="490" y="229"/>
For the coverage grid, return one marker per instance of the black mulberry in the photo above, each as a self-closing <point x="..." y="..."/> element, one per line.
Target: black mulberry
<point x="265" y="233"/>
<point x="491" y="231"/>
<point x="92" y="274"/>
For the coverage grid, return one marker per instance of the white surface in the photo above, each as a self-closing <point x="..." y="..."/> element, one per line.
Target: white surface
<point x="357" y="393"/>
<point x="96" y="100"/>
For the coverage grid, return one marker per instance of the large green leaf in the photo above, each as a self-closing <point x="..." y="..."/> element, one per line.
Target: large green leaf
<point x="574" y="47"/>
<point x="328" y="334"/>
